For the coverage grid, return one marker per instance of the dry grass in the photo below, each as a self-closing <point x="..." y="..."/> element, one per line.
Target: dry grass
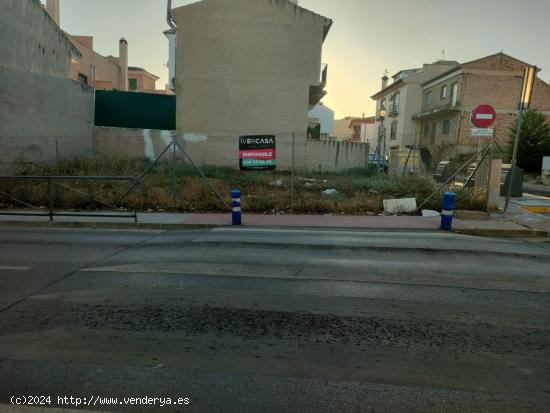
<point x="360" y="191"/>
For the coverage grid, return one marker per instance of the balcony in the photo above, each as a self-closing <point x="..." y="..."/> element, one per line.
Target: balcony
<point x="318" y="92"/>
<point x="393" y="112"/>
<point x="437" y="111"/>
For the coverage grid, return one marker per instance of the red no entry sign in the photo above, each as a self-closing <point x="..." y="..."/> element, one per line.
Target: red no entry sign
<point x="484" y="116"/>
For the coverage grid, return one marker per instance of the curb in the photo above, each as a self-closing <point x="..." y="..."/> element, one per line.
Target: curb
<point x="104" y="225"/>
<point x="524" y="233"/>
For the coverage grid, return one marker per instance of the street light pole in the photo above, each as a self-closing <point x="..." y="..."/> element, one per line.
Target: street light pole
<point x="526" y="93"/>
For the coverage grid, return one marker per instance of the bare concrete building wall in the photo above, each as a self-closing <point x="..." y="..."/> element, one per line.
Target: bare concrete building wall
<point x="246" y="66"/>
<point x="38" y="101"/>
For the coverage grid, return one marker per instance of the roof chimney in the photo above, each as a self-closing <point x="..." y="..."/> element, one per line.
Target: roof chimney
<point x="123" y="60"/>
<point x="52" y="7"/>
<point x="385" y="81"/>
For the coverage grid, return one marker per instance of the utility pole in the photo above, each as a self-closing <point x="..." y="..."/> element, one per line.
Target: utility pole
<point x="529" y="77"/>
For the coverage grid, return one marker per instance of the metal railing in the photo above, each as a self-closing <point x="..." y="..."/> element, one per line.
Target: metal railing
<point x="52" y="181"/>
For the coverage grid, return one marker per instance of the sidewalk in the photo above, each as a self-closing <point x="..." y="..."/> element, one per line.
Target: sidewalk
<point x="531" y="212"/>
<point x="521" y="224"/>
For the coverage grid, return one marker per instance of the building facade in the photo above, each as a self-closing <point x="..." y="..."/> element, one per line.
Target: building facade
<point x="364" y="130"/>
<point x="398" y="102"/>
<point x="101" y="72"/>
<point x="140" y="80"/>
<point x="104" y="72"/>
<point x="322" y="116"/>
<point x="253" y="64"/>
<point x="448" y="100"/>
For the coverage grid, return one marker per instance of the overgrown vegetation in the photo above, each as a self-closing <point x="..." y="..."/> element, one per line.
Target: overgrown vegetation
<point x="359" y="191"/>
<point x="534" y="141"/>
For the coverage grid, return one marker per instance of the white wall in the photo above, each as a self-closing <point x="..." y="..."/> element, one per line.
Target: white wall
<point x="325" y="116"/>
<point x="172" y="47"/>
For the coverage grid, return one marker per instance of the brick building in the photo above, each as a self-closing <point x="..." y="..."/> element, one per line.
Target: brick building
<point x="448" y="100"/>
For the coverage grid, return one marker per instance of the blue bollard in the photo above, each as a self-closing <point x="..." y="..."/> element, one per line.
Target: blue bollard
<point x="236" y="210"/>
<point x="449" y="205"/>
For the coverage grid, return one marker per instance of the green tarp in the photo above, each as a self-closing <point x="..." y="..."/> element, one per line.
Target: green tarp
<point x="135" y="110"/>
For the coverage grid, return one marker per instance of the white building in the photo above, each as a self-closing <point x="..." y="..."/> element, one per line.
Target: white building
<point x="324" y="116"/>
<point x="172" y="46"/>
<point x="398" y="102"/>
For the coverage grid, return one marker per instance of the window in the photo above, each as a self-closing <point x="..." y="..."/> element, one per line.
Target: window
<point x="426" y="129"/>
<point x="446" y="126"/>
<point x="428" y="98"/>
<point x="434" y="129"/>
<point x="454" y="94"/>
<point x="132" y="84"/>
<point x="393" y="130"/>
<point x="383" y="104"/>
<point x="444" y="92"/>
<point x="83" y="78"/>
<point x="396" y="103"/>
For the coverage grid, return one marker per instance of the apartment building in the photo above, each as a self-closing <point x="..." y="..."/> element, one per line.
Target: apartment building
<point x="399" y="101"/>
<point x="96" y="70"/>
<point x="104" y="72"/>
<point x="255" y="64"/>
<point x="448" y="100"/>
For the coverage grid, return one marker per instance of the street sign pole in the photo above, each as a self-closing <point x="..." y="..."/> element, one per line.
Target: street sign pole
<point x="525" y="100"/>
<point x="514" y="160"/>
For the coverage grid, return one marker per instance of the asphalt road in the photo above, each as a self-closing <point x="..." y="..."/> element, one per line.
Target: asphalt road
<point x="257" y="320"/>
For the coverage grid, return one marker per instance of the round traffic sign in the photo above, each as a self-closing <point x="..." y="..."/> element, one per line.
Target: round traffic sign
<point x="484" y="116"/>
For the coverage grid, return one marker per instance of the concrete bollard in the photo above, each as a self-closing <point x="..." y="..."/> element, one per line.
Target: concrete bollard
<point x="236" y="210"/>
<point x="449" y="205"/>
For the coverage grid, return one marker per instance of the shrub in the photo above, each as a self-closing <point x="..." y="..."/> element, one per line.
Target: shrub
<point x="534" y="141"/>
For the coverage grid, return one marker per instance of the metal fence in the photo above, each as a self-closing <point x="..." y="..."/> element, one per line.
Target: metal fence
<point x="52" y="186"/>
<point x="182" y="171"/>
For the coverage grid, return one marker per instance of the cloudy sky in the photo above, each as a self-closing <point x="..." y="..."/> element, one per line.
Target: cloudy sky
<point x="368" y="36"/>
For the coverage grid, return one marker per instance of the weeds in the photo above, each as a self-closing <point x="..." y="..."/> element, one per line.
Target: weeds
<point x="360" y="190"/>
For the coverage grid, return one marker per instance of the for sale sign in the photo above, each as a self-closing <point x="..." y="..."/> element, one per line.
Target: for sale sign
<point x="257" y="153"/>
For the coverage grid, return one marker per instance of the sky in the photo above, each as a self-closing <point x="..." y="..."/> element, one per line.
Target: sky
<point x="367" y="37"/>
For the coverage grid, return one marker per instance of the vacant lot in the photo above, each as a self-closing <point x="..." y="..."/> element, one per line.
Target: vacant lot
<point x="181" y="188"/>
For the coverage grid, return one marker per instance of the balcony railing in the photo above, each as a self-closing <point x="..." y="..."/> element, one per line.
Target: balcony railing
<point x="438" y="110"/>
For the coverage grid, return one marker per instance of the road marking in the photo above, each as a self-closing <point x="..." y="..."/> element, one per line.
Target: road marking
<point x="10" y="268"/>
<point x="538" y="209"/>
